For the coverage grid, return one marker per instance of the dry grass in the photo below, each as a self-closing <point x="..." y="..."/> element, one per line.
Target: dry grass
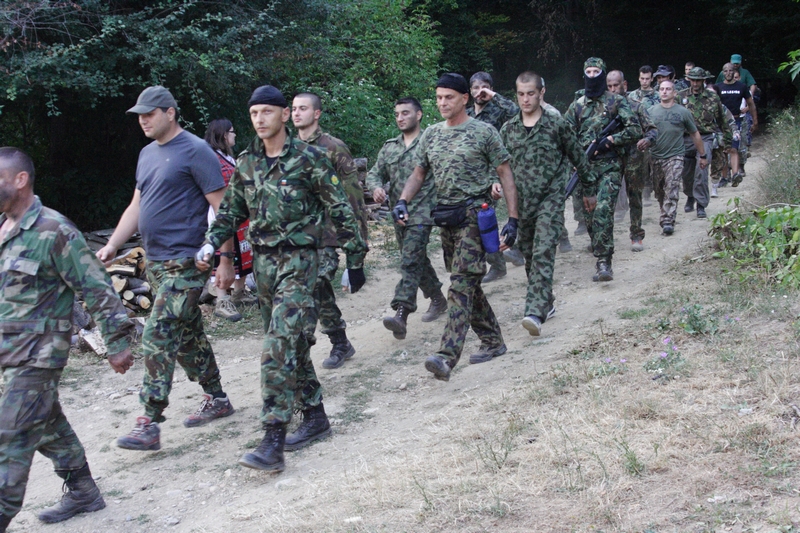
<point x="595" y="443"/>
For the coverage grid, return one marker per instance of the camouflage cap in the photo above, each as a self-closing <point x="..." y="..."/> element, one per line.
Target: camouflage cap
<point x="594" y="62"/>
<point x="696" y="73"/>
<point x="709" y="76"/>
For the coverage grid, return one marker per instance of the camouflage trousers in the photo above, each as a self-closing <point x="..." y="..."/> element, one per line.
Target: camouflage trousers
<point x="174" y="333"/>
<point x="467" y="305"/>
<point x="416" y="270"/>
<point x="667" y="178"/>
<point x="286" y="281"/>
<point x="538" y="237"/>
<point x="31" y="420"/>
<point x="326" y="310"/>
<point x="695" y="180"/>
<point x="497" y="261"/>
<point x="578" y="214"/>
<point x="600" y="222"/>
<point x="718" y="164"/>
<point x="637" y="173"/>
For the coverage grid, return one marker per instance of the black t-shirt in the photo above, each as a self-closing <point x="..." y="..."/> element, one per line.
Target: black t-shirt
<point x="731" y="95"/>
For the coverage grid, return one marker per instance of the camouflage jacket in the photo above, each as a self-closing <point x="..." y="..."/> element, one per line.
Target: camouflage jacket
<point x="461" y="160"/>
<point x="286" y="202"/>
<point x="649" y="130"/>
<point x="681" y="84"/>
<point x="542" y="159"/>
<point x="496" y="112"/>
<point x="648" y="98"/>
<point x="588" y="117"/>
<point x="390" y="172"/>
<point x="45" y="264"/>
<point x="345" y="168"/>
<point x="707" y="110"/>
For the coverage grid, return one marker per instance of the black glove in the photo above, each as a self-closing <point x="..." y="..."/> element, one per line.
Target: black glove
<point x="509" y="232"/>
<point x="400" y="211"/>
<point x="357" y="278"/>
<point x="604" y="146"/>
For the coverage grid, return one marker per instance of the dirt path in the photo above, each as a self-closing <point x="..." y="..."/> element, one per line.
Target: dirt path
<point x="381" y="402"/>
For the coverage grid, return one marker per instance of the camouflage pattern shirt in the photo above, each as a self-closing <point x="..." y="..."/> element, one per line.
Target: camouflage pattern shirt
<point x="681" y="84"/>
<point x="707" y="110"/>
<point x="346" y="170"/>
<point x="588" y="117"/>
<point x="649" y="130"/>
<point x="390" y="172"/>
<point x="286" y="201"/>
<point x="543" y="158"/>
<point x="461" y="159"/>
<point x="648" y="98"/>
<point x="496" y="112"/>
<point x="46" y="262"/>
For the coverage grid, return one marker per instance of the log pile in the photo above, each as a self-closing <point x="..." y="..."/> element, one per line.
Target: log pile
<point x="376" y="211"/>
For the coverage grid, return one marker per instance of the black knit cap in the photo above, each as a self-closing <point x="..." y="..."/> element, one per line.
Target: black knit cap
<point x="267" y="95"/>
<point x="454" y="81"/>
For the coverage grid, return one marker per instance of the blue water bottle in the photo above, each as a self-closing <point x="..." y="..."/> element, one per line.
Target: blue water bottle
<point x="487" y="224"/>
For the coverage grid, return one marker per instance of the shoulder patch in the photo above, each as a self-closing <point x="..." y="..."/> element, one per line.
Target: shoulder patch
<point x="335" y="180"/>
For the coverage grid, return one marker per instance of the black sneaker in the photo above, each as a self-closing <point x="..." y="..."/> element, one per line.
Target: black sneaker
<point x="487" y="354"/>
<point x="689" y="207"/>
<point x="701" y="212"/>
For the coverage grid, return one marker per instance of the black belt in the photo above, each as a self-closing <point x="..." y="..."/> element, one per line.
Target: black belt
<point x="261" y="249"/>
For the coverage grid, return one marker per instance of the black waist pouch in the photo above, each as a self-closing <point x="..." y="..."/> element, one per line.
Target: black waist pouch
<point x="449" y="216"/>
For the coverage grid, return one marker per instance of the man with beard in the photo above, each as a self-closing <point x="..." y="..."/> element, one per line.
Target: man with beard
<point x="394" y="165"/>
<point x="732" y="92"/>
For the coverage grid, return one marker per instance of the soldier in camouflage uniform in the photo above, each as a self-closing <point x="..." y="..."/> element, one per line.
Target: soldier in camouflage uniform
<point x="635" y="163"/>
<point x="543" y="149"/>
<point x="177" y="177"/>
<point x="306" y="112"/>
<point x="648" y="96"/>
<point x="458" y="155"/>
<point x="683" y="83"/>
<point x="286" y="188"/>
<point x="389" y="173"/>
<point x="45" y="263"/>
<point x="495" y="109"/>
<point x="709" y="117"/>
<point x="588" y="115"/>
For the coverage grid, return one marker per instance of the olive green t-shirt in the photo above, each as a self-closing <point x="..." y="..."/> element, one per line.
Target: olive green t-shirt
<point x="461" y="159"/>
<point x="672" y="124"/>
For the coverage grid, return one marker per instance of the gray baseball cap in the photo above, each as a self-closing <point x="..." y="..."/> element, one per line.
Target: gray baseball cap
<point x="151" y="98"/>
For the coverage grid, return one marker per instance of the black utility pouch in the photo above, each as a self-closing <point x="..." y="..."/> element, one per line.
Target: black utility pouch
<point x="449" y="216"/>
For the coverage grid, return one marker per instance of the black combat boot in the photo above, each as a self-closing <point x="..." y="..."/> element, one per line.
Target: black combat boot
<point x="4" y="521"/>
<point x="398" y="323"/>
<point x="604" y="272"/>
<point x="315" y="426"/>
<point x="437" y="308"/>
<point x="564" y="245"/>
<point x="689" y="207"/>
<point x="269" y="454"/>
<point x="341" y="350"/>
<point x="81" y="496"/>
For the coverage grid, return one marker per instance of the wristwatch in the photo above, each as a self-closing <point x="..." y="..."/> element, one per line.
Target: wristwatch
<point x="229" y="255"/>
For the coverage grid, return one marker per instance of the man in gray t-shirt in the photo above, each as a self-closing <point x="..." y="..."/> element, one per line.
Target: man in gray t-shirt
<point x="673" y="121"/>
<point x="177" y="177"/>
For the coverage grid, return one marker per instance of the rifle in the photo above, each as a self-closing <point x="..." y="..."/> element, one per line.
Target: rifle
<point x="608" y="130"/>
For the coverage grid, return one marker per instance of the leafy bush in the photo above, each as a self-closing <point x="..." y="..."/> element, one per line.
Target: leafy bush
<point x="762" y="242"/>
<point x="780" y="181"/>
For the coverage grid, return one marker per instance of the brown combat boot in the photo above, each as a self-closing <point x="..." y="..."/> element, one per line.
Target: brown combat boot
<point x="82" y="496"/>
<point x="397" y="324"/>
<point x="437" y="308"/>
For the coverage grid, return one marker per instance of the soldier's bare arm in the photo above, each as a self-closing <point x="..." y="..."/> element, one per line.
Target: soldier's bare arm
<point x="509" y="188"/>
<point x="226" y="274"/>
<point x="121" y="361"/>
<point x="127" y="226"/>
<point x="751" y="105"/>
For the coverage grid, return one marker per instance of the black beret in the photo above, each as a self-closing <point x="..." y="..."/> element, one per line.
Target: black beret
<point x="453" y="81"/>
<point x="267" y="95"/>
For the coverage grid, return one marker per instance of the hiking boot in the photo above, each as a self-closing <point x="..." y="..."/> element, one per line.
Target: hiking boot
<point x="667" y="229"/>
<point x="341" y="350"/>
<point x="604" y="272"/>
<point x="701" y="211"/>
<point x="737" y="179"/>
<point x="637" y="245"/>
<point x="689" y="207"/>
<point x="493" y="275"/>
<point x="268" y="456"/>
<point x="144" y="436"/>
<point x="81" y="496"/>
<point x="242" y="297"/>
<point x="514" y="256"/>
<point x="533" y="324"/>
<point x="437" y="308"/>
<point x="315" y="426"/>
<point x="225" y="309"/>
<point x="581" y="229"/>
<point x="438" y="367"/>
<point x="398" y="323"/>
<point x="564" y="245"/>
<point x="714" y="193"/>
<point x="484" y="354"/>
<point x="210" y="409"/>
